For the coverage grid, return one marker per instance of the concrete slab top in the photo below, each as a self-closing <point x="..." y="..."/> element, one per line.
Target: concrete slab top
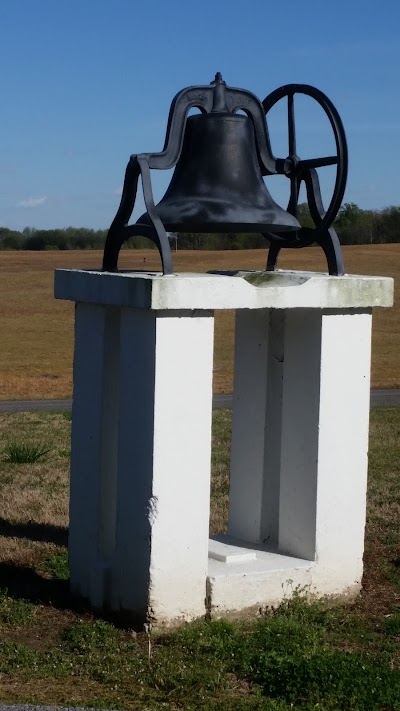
<point x="281" y="289"/>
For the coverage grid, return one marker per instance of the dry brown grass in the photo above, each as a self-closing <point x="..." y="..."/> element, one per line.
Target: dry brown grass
<point x="37" y="330"/>
<point x="34" y="497"/>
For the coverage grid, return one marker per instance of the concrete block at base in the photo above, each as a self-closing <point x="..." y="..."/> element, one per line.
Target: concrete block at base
<point x="254" y="594"/>
<point x="267" y="579"/>
<point x="264" y="581"/>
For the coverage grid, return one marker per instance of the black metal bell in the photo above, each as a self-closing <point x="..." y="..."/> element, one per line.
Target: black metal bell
<point x="220" y="157"/>
<point x="217" y="184"/>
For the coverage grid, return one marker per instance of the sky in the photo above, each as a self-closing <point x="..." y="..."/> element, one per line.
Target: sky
<point x="86" y="83"/>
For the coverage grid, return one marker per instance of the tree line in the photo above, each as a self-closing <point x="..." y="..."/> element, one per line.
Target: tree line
<point x="353" y="225"/>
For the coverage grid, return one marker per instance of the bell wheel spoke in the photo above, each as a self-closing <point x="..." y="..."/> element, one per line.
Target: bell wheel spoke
<point x="294" y="196"/>
<point x="318" y="162"/>
<point x="291" y="126"/>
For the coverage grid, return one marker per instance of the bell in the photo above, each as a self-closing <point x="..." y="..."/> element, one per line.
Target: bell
<point x="220" y="157"/>
<point x="217" y="185"/>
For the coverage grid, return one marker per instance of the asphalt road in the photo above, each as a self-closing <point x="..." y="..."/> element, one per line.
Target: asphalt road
<point x="379" y="398"/>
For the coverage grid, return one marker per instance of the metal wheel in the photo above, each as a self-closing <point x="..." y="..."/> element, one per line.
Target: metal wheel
<point x="297" y="169"/>
<point x="293" y="166"/>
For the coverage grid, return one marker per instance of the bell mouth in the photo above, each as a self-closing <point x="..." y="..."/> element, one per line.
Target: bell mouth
<point x="196" y="215"/>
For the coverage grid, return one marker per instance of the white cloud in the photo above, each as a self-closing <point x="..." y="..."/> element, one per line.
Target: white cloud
<point x="32" y="202"/>
<point x="117" y="191"/>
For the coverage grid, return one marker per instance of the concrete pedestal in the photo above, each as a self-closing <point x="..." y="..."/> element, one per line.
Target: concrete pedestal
<point x="141" y="439"/>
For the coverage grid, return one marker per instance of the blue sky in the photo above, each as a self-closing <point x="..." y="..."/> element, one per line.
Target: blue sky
<point x="85" y="83"/>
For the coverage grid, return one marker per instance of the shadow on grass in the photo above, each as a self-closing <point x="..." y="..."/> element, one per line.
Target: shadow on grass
<point x="35" y="532"/>
<point x="24" y="583"/>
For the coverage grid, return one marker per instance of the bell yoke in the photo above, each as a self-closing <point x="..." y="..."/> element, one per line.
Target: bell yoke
<point x="220" y="158"/>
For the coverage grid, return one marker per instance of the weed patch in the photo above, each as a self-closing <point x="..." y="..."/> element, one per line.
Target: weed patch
<point x="392" y="625"/>
<point x="15" y="612"/>
<point x="24" y="452"/>
<point x="330" y="679"/>
<point x="16" y="657"/>
<point x="56" y="566"/>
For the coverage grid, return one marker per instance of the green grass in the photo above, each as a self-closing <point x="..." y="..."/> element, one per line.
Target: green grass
<point x="309" y="657"/>
<point x="24" y="452"/>
<point x="392" y="624"/>
<point x="55" y="566"/>
<point x="220" y="470"/>
<point x="286" y="659"/>
<point x="15" y="612"/>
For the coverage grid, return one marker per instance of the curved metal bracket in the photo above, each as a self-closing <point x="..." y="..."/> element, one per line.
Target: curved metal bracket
<point x="216" y="97"/>
<point x="120" y="231"/>
<point x="323" y="235"/>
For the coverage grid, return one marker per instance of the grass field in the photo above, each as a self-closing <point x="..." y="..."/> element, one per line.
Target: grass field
<point x="320" y="658"/>
<point x="37" y="331"/>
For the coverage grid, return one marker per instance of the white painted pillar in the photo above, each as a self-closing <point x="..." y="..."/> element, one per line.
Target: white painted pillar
<point x="164" y="460"/>
<point x="300" y="435"/>
<point x="324" y="440"/>
<point x="141" y="457"/>
<point x="256" y="425"/>
<point x="343" y="449"/>
<point x="299" y="455"/>
<point x="93" y="450"/>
